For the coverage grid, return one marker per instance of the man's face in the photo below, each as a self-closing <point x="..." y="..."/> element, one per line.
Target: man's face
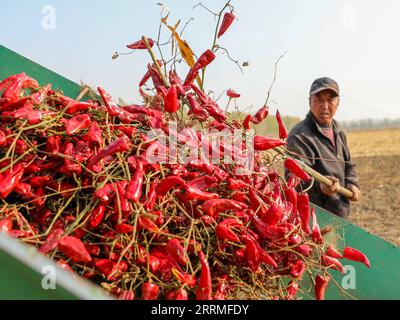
<point x="323" y="106"/>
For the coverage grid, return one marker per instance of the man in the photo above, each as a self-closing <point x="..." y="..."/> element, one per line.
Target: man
<point x="321" y="143"/>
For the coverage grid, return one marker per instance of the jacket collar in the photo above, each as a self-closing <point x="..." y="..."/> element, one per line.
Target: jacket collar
<point x="312" y="122"/>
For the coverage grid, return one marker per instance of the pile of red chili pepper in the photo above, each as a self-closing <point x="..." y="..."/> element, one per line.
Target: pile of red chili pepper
<point x="76" y="183"/>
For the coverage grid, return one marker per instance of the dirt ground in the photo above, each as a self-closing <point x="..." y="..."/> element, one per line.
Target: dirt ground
<point x="377" y="156"/>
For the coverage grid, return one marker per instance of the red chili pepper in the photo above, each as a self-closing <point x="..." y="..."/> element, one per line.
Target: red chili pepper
<point x="203" y="182"/>
<point x="232" y="94"/>
<point x="96" y="217"/>
<point x="204" y="290"/>
<point x="82" y="151"/>
<point x="3" y="139"/>
<point x="134" y="190"/>
<point x="150" y="291"/>
<point x="175" y="80"/>
<point x="123" y="228"/>
<point x="114" y="110"/>
<point x="74" y="248"/>
<point x="294" y="168"/>
<point x="321" y="283"/>
<point x="204" y="60"/>
<point x="171" y="101"/>
<point x="77" y="123"/>
<point x="264" y="256"/>
<point x="94" y="134"/>
<point x="106" y="194"/>
<point x="6" y="225"/>
<point x="216" y="112"/>
<point x="297" y="269"/>
<point x="303" y="207"/>
<point x="214" y="207"/>
<point x="120" y="145"/>
<point x="292" y="290"/>
<point x="20" y="147"/>
<point x="79" y="233"/>
<point x="148" y="224"/>
<point x="202" y="97"/>
<point x="40" y="198"/>
<point x="175" y="248"/>
<point x="7" y="81"/>
<point x="38" y="97"/>
<point x="273" y="215"/>
<point x="291" y="197"/>
<point x="334" y="253"/>
<point x="225" y="234"/>
<point x="140" y="45"/>
<point x="208" y="220"/>
<point x="208" y="104"/>
<point x="13" y="91"/>
<point x="126" y="295"/>
<point x="267" y="231"/>
<point x="316" y="233"/>
<point x="355" y="255"/>
<point x="196" y="109"/>
<point x="10" y="180"/>
<point x="304" y="249"/>
<point x="263" y="143"/>
<point x="129" y="131"/>
<point x="93" y="249"/>
<point x="145" y="78"/>
<point x="228" y="19"/>
<point x="240" y="254"/>
<point x="191" y="193"/>
<point x="151" y="196"/>
<point x="169" y="183"/>
<point x="235" y="184"/>
<point x="141" y="254"/>
<point x="53" y="144"/>
<point x="283" y="133"/>
<point x="51" y="240"/>
<point x="252" y="253"/>
<point x="25" y="190"/>
<point x="221" y="288"/>
<point x="75" y="107"/>
<point x="111" y="269"/>
<point x="184" y="278"/>
<point x="30" y="83"/>
<point x="105" y="266"/>
<point x="260" y="115"/>
<point x="246" y="122"/>
<point x="70" y="166"/>
<point x="64" y="265"/>
<point x="154" y="263"/>
<point x="332" y="263"/>
<point x="179" y="294"/>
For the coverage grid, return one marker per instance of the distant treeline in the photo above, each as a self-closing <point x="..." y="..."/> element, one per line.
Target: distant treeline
<point x="371" y="124"/>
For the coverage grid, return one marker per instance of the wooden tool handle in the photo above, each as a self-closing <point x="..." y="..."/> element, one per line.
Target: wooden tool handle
<point x="319" y="177"/>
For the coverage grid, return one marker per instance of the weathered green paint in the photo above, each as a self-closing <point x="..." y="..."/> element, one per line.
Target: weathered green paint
<point x="27" y="274"/>
<point x="382" y="281"/>
<point x="19" y="282"/>
<point x="13" y="63"/>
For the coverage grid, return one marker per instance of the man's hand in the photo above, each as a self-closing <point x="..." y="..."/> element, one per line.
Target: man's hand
<point x="356" y="192"/>
<point x="330" y="190"/>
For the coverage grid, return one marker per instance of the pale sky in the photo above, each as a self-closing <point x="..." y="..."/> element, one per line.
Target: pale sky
<point x="352" y="41"/>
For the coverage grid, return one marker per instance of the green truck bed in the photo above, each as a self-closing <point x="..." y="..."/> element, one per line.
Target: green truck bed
<point x="21" y="267"/>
